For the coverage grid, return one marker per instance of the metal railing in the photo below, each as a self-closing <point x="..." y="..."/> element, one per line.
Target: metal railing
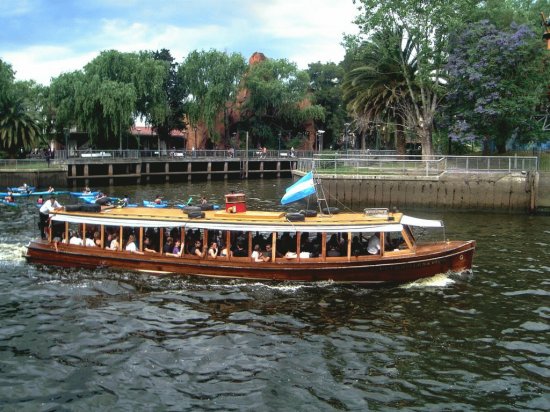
<point x="174" y="154"/>
<point x="31" y="164"/>
<point x="416" y="165"/>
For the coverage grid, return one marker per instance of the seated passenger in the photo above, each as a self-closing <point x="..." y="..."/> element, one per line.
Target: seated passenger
<point x="158" y="200"/>
<point x="257" y="255"/>
<point x="213" y="250"/>
<point x="268" y="253"/>
<point x="373" y="247"/>
<point x="89" y="242"/>
<point x="147" y="246"/>
<point x="333" y="251"/>
<point x="131" y="245"/>
<point x="239" y="251"/>
<point x="114" y="245"/>
<point x="197" y="249"/>
<point x="169" y="245"/>
<point x="75" y="240"/>
<point x="223" y="252"/>
<point x="176" y="251"/>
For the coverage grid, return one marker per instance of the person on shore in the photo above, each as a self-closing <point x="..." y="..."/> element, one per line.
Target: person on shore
<point x="51" y="205"/>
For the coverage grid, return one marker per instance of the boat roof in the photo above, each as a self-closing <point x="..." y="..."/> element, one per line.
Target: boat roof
<point x="262" y="221"/>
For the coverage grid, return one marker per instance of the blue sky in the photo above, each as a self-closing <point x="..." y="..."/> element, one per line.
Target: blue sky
<point x="44" y="38"/>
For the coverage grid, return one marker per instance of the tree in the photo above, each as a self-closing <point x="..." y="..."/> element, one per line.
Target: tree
<point x="497" y="79"/>
<point x="210" y="79"/>
<point x="7" y="77"/>
<point x="377" y="92"/>
<point x="19" y="127"/>
<point x="326" y="91"/>
<point x="428" y="24"/>
<point x="277" y="100"/>
<point x="175" y="94"/>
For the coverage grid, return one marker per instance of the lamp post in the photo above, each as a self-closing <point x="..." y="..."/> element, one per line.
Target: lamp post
<point x="66" y="133"/>
<point x="320" y="134"/>
<point x="346" y="125"/>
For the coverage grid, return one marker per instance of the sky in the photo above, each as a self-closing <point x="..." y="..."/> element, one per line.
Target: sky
<point x="41" y="39"/>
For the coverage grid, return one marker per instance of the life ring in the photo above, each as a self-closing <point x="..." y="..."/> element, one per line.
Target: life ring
<point x="308" y="213"/>
<point x="195" y="215"/>
<point x="295" y="217"/>
<point x="330" y="211"/>
<point x="190" y="209"/>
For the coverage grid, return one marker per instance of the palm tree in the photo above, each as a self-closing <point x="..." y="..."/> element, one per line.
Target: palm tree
<point x="19" y="127"/>
<point x="377" y="92"/>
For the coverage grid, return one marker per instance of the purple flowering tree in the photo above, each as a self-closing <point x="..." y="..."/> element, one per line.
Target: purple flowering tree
<point x="497" y="82"/>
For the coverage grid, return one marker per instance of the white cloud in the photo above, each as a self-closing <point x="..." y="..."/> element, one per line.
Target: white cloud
<point x="41" y="63"/>
<point x="301" y="31"/>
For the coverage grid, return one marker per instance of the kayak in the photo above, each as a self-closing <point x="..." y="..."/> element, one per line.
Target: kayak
<point x="147" y="203"/>
<point x="46" y="193"/>
<point x="15" y="194"/>
<point x="5" y="202"/>
<point x="22" y="189"/>
<point x="77" y="194"/>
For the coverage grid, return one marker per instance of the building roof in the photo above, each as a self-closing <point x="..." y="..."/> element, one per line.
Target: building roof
<point x="149" y="131"/>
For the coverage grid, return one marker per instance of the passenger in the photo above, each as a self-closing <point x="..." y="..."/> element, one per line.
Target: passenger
<point x="158" y="200"/>
<point x="257" y="255"/>
<point x="197" y="249"/>
<point x="97" y="239"/>
<point x="291" y="255"/>
<point x="204" y="200"/>
<point x="114" y="245"/>
<point x="268" y="252"/>
<point x="169" y="245"/>
<point x="147" y="246"/>
<point x="50" y="189"/>
<point x="333" y="250"/>
<point x="89" y="242"/>
<point x="131" y="245"/>
<point x="239" y="251"/>
<point x="373" y="247"/>
<point x="213" y="250"/>
<point x="87" y="190"/>
<point x="40" y="200"/>
<point x="223" y="252"/>
<point x="75" y="240"/>
<point x="176" y="251"/>
<point x="102" y="199"/>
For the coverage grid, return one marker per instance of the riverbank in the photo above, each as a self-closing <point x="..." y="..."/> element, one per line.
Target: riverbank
<point x="518" y="191"/>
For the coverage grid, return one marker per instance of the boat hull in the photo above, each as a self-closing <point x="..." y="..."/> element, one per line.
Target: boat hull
<point x="427" y="261"/>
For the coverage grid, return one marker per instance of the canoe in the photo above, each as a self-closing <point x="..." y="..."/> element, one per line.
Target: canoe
<point x="77" y="194"/>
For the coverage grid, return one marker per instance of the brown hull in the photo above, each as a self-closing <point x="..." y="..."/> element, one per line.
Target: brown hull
<point x="427" y="261"/>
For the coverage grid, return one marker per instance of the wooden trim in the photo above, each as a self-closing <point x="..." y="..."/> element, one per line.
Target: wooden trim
<point x="273" y="246"/>
<point x="102" y="236"/>
<point x="382" y="238"/>
<point x="120" y="238"/>
<point x="349" y="246"/>
<point x="161" y="240"/>
<point x="141" y="238"/>
<point x="204" y="243"/>
<point x="298" y="245"/>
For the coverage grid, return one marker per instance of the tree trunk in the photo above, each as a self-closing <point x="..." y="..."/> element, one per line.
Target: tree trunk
<point x="400" y="141"/>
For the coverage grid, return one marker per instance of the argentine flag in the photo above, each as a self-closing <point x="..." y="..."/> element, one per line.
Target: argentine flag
<point x="302" y="188"/>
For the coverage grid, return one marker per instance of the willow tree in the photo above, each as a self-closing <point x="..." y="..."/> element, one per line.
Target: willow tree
<point x="277" y="100"/>
<point x="210" y="79"/>
<point x="428" y="23"/>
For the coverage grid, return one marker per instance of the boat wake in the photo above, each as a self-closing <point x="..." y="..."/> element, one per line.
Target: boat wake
<point x="440" y="280"/>
<point x="10" y="252"/>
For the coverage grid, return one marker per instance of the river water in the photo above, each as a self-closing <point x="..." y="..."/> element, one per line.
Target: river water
<point x="83" y="340"/>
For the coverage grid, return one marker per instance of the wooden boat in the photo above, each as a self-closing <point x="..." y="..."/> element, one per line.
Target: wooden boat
<point x="301" y="247"/>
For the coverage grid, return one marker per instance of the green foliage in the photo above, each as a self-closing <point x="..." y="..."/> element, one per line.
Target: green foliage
<point x="7" y="77"/>
<point x="326" y="91"/>
<point x="210" y="80"/>
<point x="19" y="127"/>
<point x="277" y="94"/>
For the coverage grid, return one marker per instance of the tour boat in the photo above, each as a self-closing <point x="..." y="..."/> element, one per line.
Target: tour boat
<point x="259" y="245"/>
